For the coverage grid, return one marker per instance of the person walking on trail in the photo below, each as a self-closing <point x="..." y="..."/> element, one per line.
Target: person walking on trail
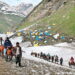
<point x="7" y="43"/>
<point x="4" y="51"/>
<point x="61" y="61"/>
<point x="18" y="54"/>
<point x="72" y="60"/>
<point x="1" y="41"/>
<point x="52" y="58"/>
<point x="56" y="59"/>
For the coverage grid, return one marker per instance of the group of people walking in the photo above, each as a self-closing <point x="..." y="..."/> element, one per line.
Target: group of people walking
<point x="8" y="51"/>
<point x="53" y="58"/>
<point x="48" y="57"/>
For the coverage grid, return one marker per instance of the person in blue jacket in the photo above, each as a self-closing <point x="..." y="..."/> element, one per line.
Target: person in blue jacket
<point x="7" y="43"/>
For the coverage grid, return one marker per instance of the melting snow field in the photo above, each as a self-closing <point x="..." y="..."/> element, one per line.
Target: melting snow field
<point x="62" y="50"/>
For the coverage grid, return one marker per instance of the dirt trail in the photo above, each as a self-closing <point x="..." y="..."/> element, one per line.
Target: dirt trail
<point x="32" y="68"/>
<point x="5" y="68"/>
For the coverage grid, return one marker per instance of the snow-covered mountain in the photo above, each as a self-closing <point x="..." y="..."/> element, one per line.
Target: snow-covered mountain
<point x="11" y="16"/>
<point x="2" y="4"/>
<point x="22" y="9"/>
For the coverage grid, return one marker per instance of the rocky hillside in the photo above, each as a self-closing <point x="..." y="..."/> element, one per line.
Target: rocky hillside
<point x="56" y="13"/>
<point x="45" y="9"/>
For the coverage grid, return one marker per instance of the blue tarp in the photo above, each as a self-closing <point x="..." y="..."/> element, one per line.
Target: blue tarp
<point x="37" y="38"/>
<point x="46" y="33"/>
<point x="62" y="37"/>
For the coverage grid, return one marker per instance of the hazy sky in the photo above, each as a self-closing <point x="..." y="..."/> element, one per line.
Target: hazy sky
<point x="15" y="2"/>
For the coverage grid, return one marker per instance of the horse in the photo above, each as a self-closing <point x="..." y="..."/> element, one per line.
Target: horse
<point x="34" y="54"/>
<point x="3" y="51"/>
<point x="45" y="57"/>
<point x="71" y="64"/>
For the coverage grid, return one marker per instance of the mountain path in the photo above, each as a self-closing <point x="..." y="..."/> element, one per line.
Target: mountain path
<point x="5" y="68"/>
<point x="32" y="68"/>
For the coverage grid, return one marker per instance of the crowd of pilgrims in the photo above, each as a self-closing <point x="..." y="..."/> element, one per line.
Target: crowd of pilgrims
<point x="48" y="57"/>
<point x="7" y="51"/>
<point x="53" y="58"/>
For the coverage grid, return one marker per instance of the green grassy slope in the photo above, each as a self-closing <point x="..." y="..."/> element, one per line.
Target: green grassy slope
<point x="8" y="21"/>
<point x="63" y="20"/>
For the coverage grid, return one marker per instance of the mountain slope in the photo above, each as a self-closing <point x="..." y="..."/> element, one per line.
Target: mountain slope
<point x="7" y="21"/>
<point x="61" y="17"/>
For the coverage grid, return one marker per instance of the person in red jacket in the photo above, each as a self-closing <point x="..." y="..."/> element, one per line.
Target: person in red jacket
<point x="72" y="60"/>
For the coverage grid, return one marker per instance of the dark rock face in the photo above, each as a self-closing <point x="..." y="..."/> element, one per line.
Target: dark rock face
<point x="49" y="0"/>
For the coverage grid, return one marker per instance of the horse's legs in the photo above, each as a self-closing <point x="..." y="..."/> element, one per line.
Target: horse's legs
<point x="6" y="58"/>
<point x="10" y="58"/>
<point x="70" y="65"/>
<point x="2" y="54"/>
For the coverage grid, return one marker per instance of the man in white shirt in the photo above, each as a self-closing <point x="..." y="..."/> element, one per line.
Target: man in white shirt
<point x="18" y="54"/>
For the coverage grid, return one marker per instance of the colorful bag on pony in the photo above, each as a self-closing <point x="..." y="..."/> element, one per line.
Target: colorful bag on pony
<point x="9" y="52"/>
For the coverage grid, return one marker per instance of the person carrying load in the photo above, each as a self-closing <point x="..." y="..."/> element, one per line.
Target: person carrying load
<point x="7" y="43"/>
